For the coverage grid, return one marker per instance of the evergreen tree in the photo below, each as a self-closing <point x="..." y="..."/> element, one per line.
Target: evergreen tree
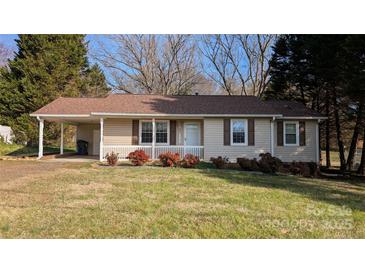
<point x="45" y="67"/>
<point x="325" y="72"/>
<point x="94" y="83"/>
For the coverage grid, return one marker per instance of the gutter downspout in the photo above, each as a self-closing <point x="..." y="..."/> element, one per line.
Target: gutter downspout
<point x="317" y="142"/>
<point x="272" y="136"/>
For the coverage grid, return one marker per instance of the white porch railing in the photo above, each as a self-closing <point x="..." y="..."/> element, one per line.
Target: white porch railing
<point x="123" y="151"/>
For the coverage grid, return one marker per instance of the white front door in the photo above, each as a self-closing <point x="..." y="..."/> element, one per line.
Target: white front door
<point x="192" y="134"/>
<point x="96" y="142"/>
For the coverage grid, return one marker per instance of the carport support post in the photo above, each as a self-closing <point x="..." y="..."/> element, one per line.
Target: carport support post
<point x="153" y="138"/>
<point x="40" y="142"/>
<point x="61" y="145"/>
<point x="101" y="149"/>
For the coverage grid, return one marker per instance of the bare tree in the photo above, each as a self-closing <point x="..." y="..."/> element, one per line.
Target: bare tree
<point x="5" y="55"/>
<point x="239" y="64"/>
<point x="151" y="64"/>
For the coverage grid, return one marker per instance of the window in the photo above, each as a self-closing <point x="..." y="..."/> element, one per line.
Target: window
<point x="238" y="131"/>
<point x="161" y="134"/>
<point x="291" y="133"/>
<point x="146" y="132"/>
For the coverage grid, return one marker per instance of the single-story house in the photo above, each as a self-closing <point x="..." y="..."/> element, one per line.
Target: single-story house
<point x="204" y="125"/>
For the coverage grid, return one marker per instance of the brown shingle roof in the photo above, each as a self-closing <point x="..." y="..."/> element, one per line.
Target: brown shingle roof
<point x="156" y="104"/>
<point x="70" y="106"/>
<point x="290" y="108"/>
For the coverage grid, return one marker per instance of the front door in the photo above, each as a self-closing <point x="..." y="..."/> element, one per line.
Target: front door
<point x="96" y="142"/>
<point x="192" y="134"/>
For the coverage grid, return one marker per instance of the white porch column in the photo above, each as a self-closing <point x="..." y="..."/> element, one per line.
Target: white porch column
<point x="61" y="145"/>
<point x="40" y="142"/>
<point x="153" y="138"/>
<point x="272" y="136"/>
<point x="101" y="149"/>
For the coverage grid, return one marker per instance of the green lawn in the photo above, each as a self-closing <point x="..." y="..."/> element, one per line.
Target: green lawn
<point x="21" y="150"/>
<point x="55" y="200"/>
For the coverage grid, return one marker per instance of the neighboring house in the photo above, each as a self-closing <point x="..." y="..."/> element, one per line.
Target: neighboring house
<point x="207" y="126"/>
<point x="6" y="134"/>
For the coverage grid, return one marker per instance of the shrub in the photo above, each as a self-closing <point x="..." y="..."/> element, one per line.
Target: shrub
<point x="247" y="164"/>
<point x="220" y="161"/>
<point x="112" y="158"/>
<point x="169" y="159"/>
<point x="138" y="157"/>
<point x="189" y="161"/>
<point x="314" y="169"/>
<point x="304" y="169"/>
<point x="268" y="163"/>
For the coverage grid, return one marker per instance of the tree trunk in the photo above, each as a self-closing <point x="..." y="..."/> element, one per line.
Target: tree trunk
<point x="341" y="149"/>
<point x="361" y="169"/>
<point x="355" y="136"/>
<point x="328" y="139"/>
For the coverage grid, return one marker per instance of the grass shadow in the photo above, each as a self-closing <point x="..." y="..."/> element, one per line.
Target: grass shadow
<point x="338" y="193"/>
<point x="30" y="151"/>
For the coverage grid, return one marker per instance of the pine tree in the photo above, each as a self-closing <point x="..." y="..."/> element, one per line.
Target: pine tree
<point x="45" y="67"/>
<point x="94" y="83"/>
<point x="326" y="73"/>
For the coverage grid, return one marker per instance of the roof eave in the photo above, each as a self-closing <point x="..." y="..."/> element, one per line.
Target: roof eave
<point x="181" y="115"/>
<point x="304" y="117"/>
<point x="59" y="115"/>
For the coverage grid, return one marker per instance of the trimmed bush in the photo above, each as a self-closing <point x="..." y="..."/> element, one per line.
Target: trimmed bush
<point x="169" y="159"/>
<point x="189" y="161"/>
<point x="304" y="169"/>
<point x="247" y="164"/>
<point x="112" y="158"/>
<point x="268" y="163"/>
<point x="220" y="161"/>
<point x="138" y="157"/>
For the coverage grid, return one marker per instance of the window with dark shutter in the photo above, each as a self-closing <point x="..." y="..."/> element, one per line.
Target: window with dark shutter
<point x="291" y="133"/>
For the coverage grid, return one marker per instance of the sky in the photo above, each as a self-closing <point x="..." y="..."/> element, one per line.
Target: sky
<point x="94" y="39"/>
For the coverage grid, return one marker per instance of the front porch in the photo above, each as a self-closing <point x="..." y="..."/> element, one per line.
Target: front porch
<point x="123" y="135"/>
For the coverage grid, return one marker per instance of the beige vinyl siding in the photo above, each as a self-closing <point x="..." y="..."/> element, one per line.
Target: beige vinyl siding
<point x="85" y="132"/>
<point x="117" y="131"/>
<point x="305" y="153"/>
<point x="213" y="140"/>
